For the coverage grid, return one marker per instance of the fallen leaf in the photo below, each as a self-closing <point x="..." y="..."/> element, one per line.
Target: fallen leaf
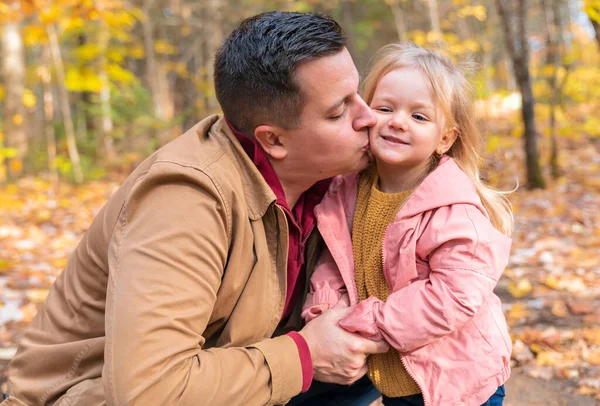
<point x="581" y="307"/>
<point x="543" y="372"/>
<point x="517" y="311"/>
<point x="593" y="358"/>
<point x="37" y="295"/>
<point x="521" y="352"/>
<point x="592" y="336"/>
<point x="586" y="390"/>
<point x="592" y="319"/>
<point x="520" y="288"/>
<point x="559" y="309"/>
<point x="552" y="282"/>
<point x="548" y="358"/>
<point x="7" y="353"/>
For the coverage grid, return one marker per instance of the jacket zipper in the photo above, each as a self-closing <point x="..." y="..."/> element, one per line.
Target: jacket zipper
<point x="385" y="274"/>
<point x="301" y="248"/>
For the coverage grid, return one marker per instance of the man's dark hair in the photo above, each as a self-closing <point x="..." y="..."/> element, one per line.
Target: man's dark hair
<point x="255" y="65"/>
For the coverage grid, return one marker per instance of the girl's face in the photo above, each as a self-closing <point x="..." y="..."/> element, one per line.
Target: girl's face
<point x="410" y="126"/>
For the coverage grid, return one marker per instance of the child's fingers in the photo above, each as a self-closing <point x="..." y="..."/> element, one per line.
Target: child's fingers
<point x="340" y="303"/>
<point x="375" y="347"/>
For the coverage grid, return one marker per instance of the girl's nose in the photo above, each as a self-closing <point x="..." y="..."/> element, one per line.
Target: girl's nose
<point x="398" y="121"/>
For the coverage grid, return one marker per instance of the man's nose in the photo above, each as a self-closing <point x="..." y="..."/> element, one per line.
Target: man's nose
<point x="366" y="118"/>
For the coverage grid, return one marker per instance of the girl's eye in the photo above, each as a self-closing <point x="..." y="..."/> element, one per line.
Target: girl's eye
<point x="383" y="109"/>
<point x="419" y="117"/>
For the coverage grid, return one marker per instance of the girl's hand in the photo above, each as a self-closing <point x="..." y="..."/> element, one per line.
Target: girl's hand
<point x="337" y="355"/>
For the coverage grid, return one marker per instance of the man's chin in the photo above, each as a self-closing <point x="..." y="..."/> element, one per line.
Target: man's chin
<point x="364" y="162"/>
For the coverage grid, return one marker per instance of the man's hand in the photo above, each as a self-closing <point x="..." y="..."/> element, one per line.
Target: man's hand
<point x="337" y="355"/>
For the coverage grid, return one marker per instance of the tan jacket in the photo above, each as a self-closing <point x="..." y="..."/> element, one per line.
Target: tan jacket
<point x="174" y="293"/>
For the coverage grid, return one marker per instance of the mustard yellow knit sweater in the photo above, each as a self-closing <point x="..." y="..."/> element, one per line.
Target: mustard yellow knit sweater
<point x="375" y="210"/>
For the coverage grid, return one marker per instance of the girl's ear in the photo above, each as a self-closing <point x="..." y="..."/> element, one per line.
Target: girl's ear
<point x="448" y="138"/>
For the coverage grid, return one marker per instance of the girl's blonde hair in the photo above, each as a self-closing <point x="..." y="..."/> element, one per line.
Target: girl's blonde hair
<point x="455" y="97"/>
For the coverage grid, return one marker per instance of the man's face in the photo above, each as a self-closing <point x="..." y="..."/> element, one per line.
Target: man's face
<point x="332" y="136"/>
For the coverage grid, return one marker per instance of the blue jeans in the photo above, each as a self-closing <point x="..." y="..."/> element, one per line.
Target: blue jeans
<point x="417" y="400"/>
<point x="363" y="393"/>
<point x="360" y="393"/>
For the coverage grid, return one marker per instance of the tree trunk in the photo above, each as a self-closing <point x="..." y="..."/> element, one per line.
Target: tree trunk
<point x="348" y="21"/>
<point x="517" y="48"/>
<point x="434" y="18"/>
<point x="553" y="58"/>
<point x="64" y="105"/>
<point x="214" y="36"/>
<point x="85" y="120"/>
<point x="49" y="115"/>
<point x="13" y="67"/>
<point x="157" y="77"/>
<point x="596" y="26"/>
<point x="399" y="21"/>
<point x="106" y="122"/>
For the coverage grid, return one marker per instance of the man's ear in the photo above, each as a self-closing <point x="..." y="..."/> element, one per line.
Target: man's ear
<point x="448" y="138"/>
<point x="270" y="139"/>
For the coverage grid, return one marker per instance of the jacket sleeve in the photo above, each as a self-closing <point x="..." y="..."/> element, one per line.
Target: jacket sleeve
<point x="466" y="256"/>
<point x="166" y="258"/>
<point x="327" y="288"/>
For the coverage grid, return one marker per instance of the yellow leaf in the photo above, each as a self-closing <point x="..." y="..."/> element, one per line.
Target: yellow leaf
<point x="118" y="74"/>
<point x="18" y="119"/>
<point x="163" y="47"/>
<point x="5" y="266"/>
<point x="593" y="358"/>
<point x="548" y="358"/>
<point x="37" y="295"/>
<point x="88" y="52"/>
<point x="29" y="98"/>
<point x="59" y="263"/>
<point x="116" y="56"/>
<point x="49" y="15"/>
<point x="80" y="80"/>
<point x="552" y="282"/>
<point x="559" y="309"/>
<point x="43" y="216"/>
<point x="586" y="390"/>
<point x="16" y="166"/>
<point x="535" y="348"/>
<point x="520" y="288"/>
<point x="137" y="52"/>
<point x="72" y="23"/>
<point x="34" y="35"/>
<point x="517" y="311"/>
<point x="2" y="92"/>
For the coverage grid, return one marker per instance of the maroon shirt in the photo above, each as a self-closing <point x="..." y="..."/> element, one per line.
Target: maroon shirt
<point x="301" y="220"/>
<point x="301" y="223"/>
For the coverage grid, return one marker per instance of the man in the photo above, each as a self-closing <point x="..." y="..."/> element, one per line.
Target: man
<point x="184" y="286"/>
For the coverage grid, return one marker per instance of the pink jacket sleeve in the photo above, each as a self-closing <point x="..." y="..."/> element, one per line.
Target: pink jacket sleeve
<point x="466" y="256"/>
<point x="327" y="288"/>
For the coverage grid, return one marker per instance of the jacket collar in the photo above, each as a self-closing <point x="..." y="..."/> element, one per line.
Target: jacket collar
<point x="258" y="193"/>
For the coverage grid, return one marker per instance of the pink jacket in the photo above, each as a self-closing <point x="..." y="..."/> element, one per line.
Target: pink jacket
<point x="442" y="257"/>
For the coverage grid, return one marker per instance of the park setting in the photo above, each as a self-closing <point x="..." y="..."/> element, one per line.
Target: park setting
<point x="91" y="88"/>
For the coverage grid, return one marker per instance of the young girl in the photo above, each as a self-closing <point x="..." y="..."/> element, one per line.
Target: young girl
<point x="418" y="242"/>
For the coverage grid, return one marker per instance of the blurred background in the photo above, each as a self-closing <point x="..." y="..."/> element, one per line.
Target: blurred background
<point x="89" y="88"/>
